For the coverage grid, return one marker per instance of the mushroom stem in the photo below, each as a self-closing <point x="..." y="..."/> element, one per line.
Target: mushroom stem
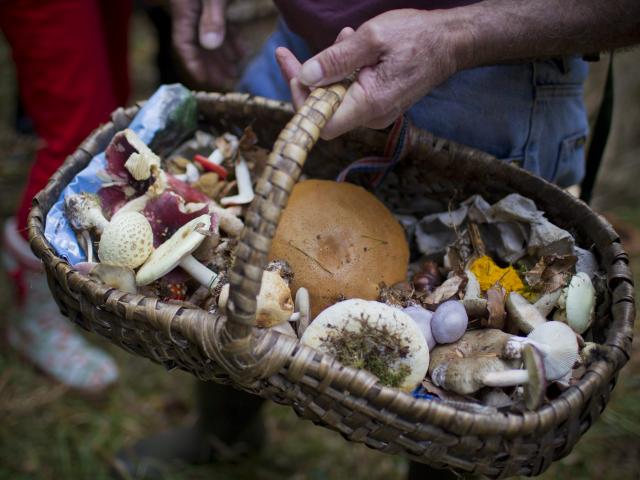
<point x="303" y="309"/>
<point x="190" y="175"/>
<point x="198" y="271"/>
<point x="88" y="245"/>
<point x="474" y="304"/>
<point x="84" y="212"/>
<point x="228" y="221"/>
<point x="506" y="378"/>
<point x="245" y="188"/>
<point x="547" y="302"/>
<point x="526" y="316"/>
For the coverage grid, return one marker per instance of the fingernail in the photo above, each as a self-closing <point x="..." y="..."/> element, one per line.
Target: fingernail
<point x="311" y="73"/>
<point x="211" y="40"/>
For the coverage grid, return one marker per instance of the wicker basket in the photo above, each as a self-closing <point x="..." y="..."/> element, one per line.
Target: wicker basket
<point x="316" y="386"/>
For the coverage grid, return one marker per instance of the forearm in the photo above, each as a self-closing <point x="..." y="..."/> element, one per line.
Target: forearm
<point x="500" y="31"/>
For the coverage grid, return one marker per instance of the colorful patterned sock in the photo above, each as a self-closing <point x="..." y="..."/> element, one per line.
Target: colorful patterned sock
<point x="41" y="334"/>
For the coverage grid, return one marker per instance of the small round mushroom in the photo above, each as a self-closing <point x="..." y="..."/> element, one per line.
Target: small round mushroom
<point x="449" y="322"/>
<point x="577" y="303"/>
<point x="274" y="303"/>
<point x="533" y="377"/>
<point x="177" y="252"/>
<point x="127" y="241"/>
<point x="351" y="330"/>
<point x="423" y="318"/>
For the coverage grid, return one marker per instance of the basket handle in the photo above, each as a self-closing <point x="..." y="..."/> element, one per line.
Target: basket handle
<point x="283" y="169"/>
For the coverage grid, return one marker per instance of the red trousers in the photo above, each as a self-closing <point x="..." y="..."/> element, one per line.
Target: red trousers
<point x="72" y="69"/>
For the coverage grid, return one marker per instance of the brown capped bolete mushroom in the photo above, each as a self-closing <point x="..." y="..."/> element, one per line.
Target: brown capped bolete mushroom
<point x="340" y="241"/>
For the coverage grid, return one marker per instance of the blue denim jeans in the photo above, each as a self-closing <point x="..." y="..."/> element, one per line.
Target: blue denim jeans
<point x="532" y="113"/>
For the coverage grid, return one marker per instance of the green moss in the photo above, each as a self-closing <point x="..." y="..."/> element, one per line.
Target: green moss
<point x="377" y="350"/>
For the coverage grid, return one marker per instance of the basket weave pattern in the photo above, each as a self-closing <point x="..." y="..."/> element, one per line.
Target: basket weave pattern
<point x="315" y="385"/>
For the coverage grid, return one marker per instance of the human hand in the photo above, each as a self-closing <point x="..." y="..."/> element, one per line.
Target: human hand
<point x="401" y="55"/>
<point x="209" y="54"/>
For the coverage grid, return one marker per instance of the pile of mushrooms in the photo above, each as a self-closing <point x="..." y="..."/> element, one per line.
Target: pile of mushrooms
<point x="151" y="231"/>
<point x="339" y="277"/>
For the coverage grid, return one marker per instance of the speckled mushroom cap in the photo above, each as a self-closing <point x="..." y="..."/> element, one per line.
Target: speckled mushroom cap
<point x="349" y="314"/>
<point x="127" y="240"/>
<point x="168" y="255"/>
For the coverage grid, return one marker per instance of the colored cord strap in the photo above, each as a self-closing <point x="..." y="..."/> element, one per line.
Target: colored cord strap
<point x="394" y="151"/>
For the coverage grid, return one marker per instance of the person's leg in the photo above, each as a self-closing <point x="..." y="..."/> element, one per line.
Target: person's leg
<point x="63" y="74"/>
<point x="229" y="427"/>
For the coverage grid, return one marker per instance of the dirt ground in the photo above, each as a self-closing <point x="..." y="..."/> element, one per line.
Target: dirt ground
<point x="48" y="433"/>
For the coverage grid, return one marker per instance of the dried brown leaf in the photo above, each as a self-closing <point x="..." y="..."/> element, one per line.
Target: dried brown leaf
<point x="449" y="289"/>
<point x="551" y="272"/>
<point x="495" y="305"/>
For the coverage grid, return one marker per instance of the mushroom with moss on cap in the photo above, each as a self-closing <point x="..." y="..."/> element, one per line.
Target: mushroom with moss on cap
<point x="177" y="252"/>
<point x="373" y="336"/>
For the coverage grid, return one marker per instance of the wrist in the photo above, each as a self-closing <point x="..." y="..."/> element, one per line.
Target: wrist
<point x="460" y="37"/>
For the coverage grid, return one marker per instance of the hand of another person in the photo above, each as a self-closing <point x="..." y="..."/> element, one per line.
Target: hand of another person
<point x="209" y="54"/>
<point x="401" y="55"/>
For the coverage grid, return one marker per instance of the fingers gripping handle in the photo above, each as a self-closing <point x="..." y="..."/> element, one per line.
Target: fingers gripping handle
<point x="285" y="164"/>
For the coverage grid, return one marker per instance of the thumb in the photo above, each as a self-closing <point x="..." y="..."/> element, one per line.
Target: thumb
<point x="212" y="24"/>
<point x="339" y="60"/>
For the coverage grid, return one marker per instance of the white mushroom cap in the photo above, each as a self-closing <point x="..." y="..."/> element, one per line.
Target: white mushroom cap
<point x="168" y="255"/>
<point x="127" y="241"/>
<point x="559" y="347"/>
<point x="348" y="315"/>
<point x="580" y="302"/>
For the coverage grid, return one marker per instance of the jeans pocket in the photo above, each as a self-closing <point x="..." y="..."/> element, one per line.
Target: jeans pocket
<point x="570" y="165"/>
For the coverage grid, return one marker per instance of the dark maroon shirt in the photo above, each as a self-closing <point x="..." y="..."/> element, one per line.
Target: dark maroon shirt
<point x="320" y="21"/>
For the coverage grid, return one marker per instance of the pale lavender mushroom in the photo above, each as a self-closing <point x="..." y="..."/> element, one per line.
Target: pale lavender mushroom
<point x="449" y="322"/>
<point x="422" y="317"/>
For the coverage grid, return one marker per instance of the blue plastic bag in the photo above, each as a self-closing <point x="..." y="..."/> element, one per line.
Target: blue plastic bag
<point x="167" y="118"/>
